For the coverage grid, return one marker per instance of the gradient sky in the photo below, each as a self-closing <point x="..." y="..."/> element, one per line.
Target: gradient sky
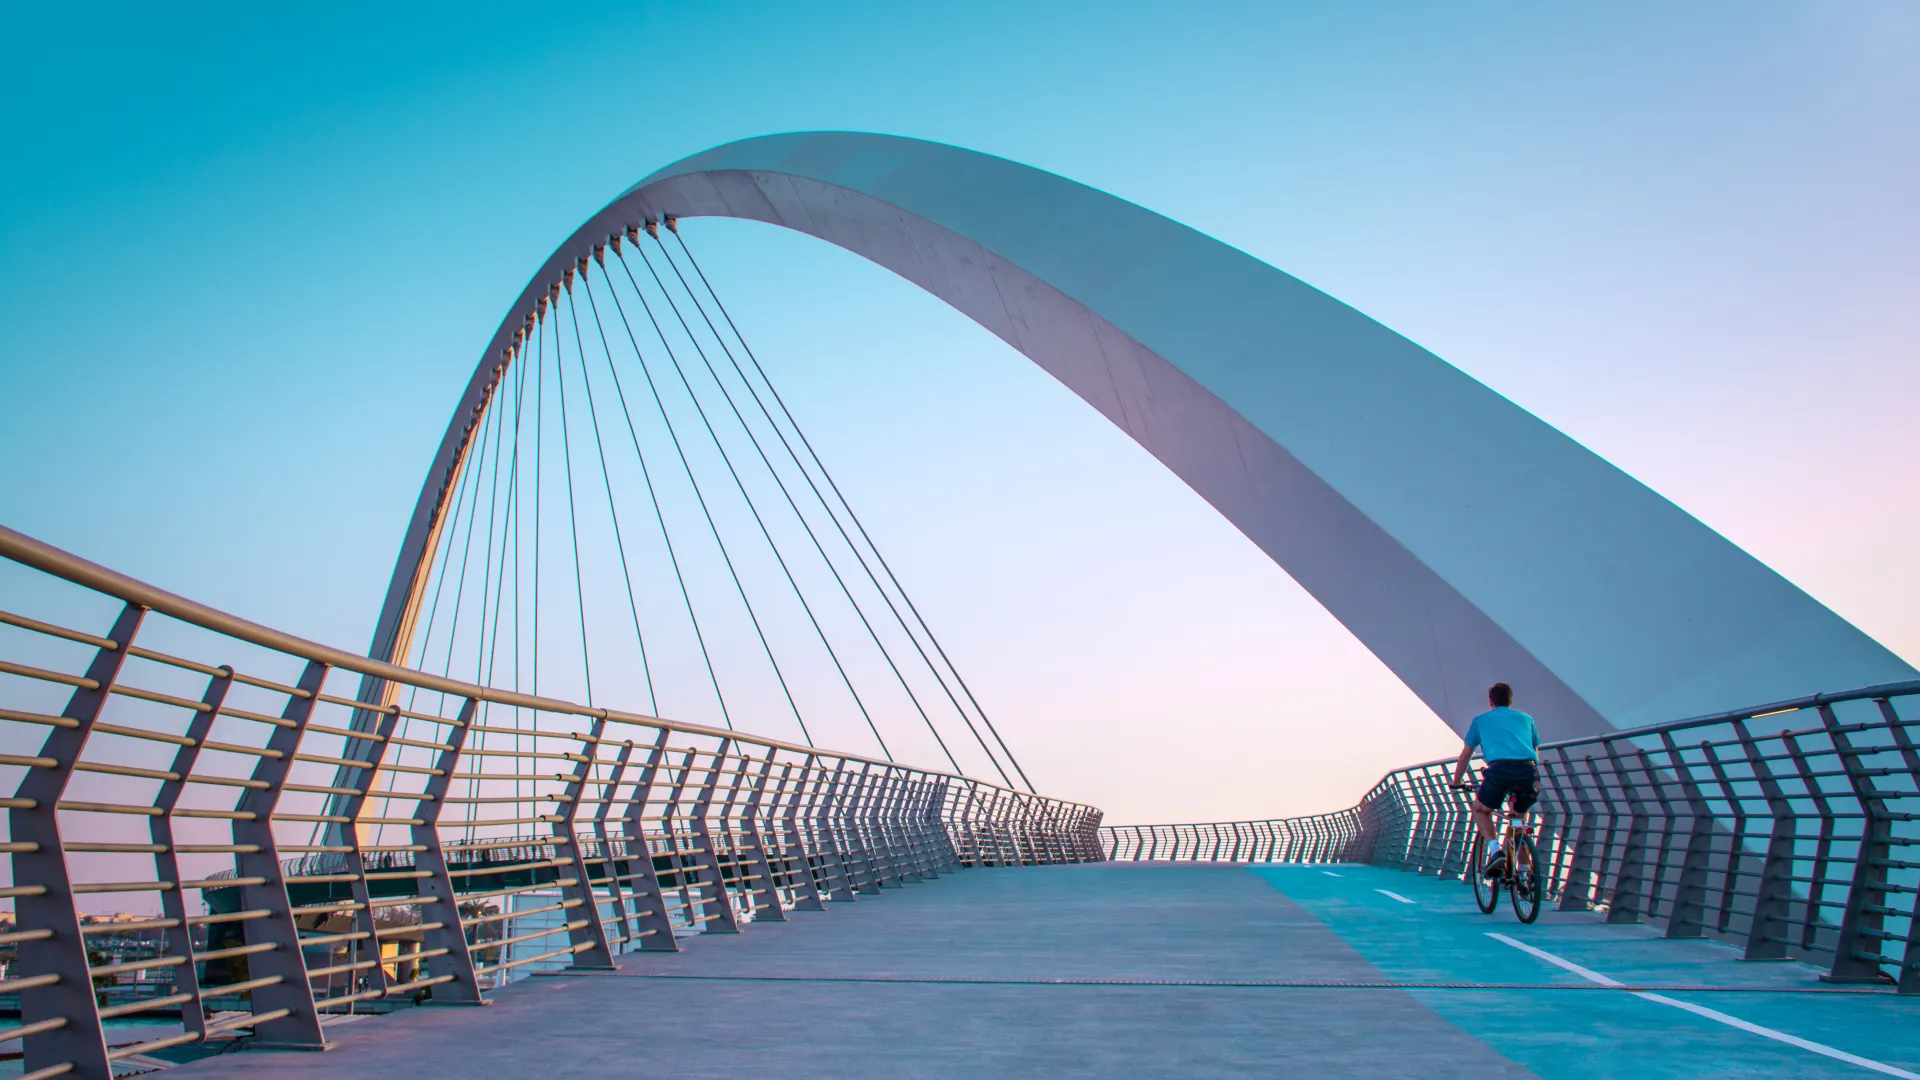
<point x="248" y="257"/>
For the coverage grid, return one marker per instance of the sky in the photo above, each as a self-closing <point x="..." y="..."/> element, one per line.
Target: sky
<point x="249" y="257"/>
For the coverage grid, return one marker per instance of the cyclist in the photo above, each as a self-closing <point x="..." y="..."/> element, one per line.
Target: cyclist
<point x="1508" y="740"/>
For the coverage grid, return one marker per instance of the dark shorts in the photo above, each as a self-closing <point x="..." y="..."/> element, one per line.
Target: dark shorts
<point x="1503" y="778"/>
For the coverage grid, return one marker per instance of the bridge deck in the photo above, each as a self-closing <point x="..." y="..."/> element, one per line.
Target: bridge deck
<point x="1107" y="970"/>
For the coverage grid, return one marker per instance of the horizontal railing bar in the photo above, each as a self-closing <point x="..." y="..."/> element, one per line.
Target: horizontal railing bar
<point x="48" y="559"/>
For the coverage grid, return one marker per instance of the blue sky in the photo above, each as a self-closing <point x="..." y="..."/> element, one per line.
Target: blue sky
<point x="248" y="257"/>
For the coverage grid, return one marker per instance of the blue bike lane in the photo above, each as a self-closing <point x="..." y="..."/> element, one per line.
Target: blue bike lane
<point x="1566" y="1023"/>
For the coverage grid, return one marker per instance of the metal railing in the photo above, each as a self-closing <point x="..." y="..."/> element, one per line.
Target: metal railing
<point x="287" y="862"/>
<point x="1318" y="838"/>
<point x="1789" y="828"/>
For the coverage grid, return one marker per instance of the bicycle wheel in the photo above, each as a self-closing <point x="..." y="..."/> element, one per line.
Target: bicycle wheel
<point x="1524" y="890"/>
<point x="1486" y="891"/>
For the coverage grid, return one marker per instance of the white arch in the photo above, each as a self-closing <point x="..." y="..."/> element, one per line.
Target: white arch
<point x="1459" y="537"/>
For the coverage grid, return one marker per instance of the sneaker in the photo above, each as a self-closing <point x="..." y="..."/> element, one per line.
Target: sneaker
<point x="1496" y="866"/>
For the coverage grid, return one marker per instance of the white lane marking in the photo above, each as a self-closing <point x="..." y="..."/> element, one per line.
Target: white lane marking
<point x="1329" y="873"/>
<point x="1712" y="1014"/>
<point x="1395" y="895"/>
<point x="1586" y="973"/>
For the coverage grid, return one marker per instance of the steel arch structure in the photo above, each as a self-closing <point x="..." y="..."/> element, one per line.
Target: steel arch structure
<point x="1459" y="537"/>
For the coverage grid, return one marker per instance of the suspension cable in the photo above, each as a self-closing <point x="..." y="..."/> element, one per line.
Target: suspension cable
<point x="646" y="476"/>
<point x="509" y="528"/>
<point x="707" y="512"/>
<point x="539" y="485"/>
<point x="471" y="472"/>
<point x="566" y="448"/>
<point x="805" y="525"/>
<point x="659" y="514"/>
<point x="593" y="413"/>
<point x="755" y="511"/>
<point x="840" y="497"/>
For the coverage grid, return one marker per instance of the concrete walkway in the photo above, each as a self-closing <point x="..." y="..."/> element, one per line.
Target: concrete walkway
<point x="1136" y="970"/>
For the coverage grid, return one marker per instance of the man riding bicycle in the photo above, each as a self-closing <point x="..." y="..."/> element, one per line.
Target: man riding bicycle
<point x="1508" y="740"/>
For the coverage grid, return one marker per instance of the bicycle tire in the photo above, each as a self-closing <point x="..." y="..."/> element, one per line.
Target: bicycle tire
<point x="1486" y="891"/>
<point x="1524" y="890"/>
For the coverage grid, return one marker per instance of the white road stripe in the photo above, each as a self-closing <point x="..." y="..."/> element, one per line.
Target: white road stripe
<point x="1330" y="873"/>
<point x="1711" y="1014"/>
<point x="1395" y="895"/>
<point x="1586" y="973"/>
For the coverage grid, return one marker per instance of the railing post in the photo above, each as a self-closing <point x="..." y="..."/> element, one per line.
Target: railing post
<point x="1627" y="903"/>
<point x="762" y="866"/>
<point x="831" y="814"/>
<point x="1550" y="812"/>
<point x="1662" y="861"/>
<point x="1014" y="813"/>
<point x="1909" y="979"/>
<point x="842" y="884"/>
<point x="1029" y="831"/>
<point x="938" y="809"/>
<point x="707" y="854"/>
<point x="62" y="1017"/>
<point x="1774" y="887"/>
<point x="1408" y="821"/>
<point x="1577" y="893"/>
<point x="677" y="837"/>
<point x="619" y="885"/>
<point x="919" y="824"/>
<point x="831" y="867"/>
<point x="450" y="970"/>
<point x="1001" y="821"/>
<point x="278" y="976"/>
<point x="1045" y="832"/>
<point x="1687" y="918"/>
<point x="656" y="925"/>
<point x="590" y="939"/>
<point x="873" y="847"/>
<point x="1000" y="826"/>
<point x="987" y="827"/>
<point x="807" y="895"/>
<point x="1737" y="836"/>
<point x="963" y="824"/>
<point x="1813" y="791"/>
<point x="179" y="936"/>
<point x="355" y="784"/>
<point x="872" y="875"/>
<point x="887" y="822"/>
<point x="1427" y="815"/>
<point x="1013" y="818"/>
<point x="730" y="834"/>
<point x="1866" y="910"/>
<point x="1432" y="824"/>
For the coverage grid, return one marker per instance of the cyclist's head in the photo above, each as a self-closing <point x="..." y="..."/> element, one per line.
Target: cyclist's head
<point x="1500" y="695"/>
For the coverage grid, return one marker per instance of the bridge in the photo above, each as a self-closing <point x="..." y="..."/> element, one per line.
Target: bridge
<point x="447" y="854"/>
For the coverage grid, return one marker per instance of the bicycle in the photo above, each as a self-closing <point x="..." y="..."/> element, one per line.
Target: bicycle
<point x="1516" y="874"/>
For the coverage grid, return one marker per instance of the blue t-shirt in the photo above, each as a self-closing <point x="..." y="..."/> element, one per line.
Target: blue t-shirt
<point x="1504" y="734"/>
